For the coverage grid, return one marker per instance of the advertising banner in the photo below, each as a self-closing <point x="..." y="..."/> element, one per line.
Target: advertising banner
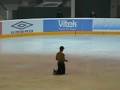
<point x="22" y="26"/>
<point x="57" y="25"/>
<point x="106" y="24"/>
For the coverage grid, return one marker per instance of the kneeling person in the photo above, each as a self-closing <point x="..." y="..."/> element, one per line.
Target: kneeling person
<point x="60" y="57"/>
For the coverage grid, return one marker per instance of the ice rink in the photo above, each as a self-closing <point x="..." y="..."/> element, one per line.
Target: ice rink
<point x="26" y="63"/>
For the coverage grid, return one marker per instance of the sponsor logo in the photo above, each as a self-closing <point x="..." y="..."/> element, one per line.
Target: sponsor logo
<point x="22" y="25"/>
<point x="67" y="23"/>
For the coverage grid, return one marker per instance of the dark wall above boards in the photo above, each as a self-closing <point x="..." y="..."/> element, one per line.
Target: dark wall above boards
<point x="100" y="7"/>
<point x="41" y="12"/>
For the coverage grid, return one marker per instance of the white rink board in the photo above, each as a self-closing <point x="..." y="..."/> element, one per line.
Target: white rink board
<point x="22" y="26"/>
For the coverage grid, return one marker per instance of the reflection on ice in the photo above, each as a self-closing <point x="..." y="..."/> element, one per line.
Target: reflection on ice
<point x="78" y="45"/>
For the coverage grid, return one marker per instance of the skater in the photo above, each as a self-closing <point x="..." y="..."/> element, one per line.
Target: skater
<point x="60" y="57"/>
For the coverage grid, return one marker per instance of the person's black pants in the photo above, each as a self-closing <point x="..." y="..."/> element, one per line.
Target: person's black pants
<point x="61" y="68"/>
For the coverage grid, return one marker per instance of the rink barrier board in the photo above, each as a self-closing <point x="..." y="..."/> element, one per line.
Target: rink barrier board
<point x="0" y="28"/>
<point x="100" y="26"/>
